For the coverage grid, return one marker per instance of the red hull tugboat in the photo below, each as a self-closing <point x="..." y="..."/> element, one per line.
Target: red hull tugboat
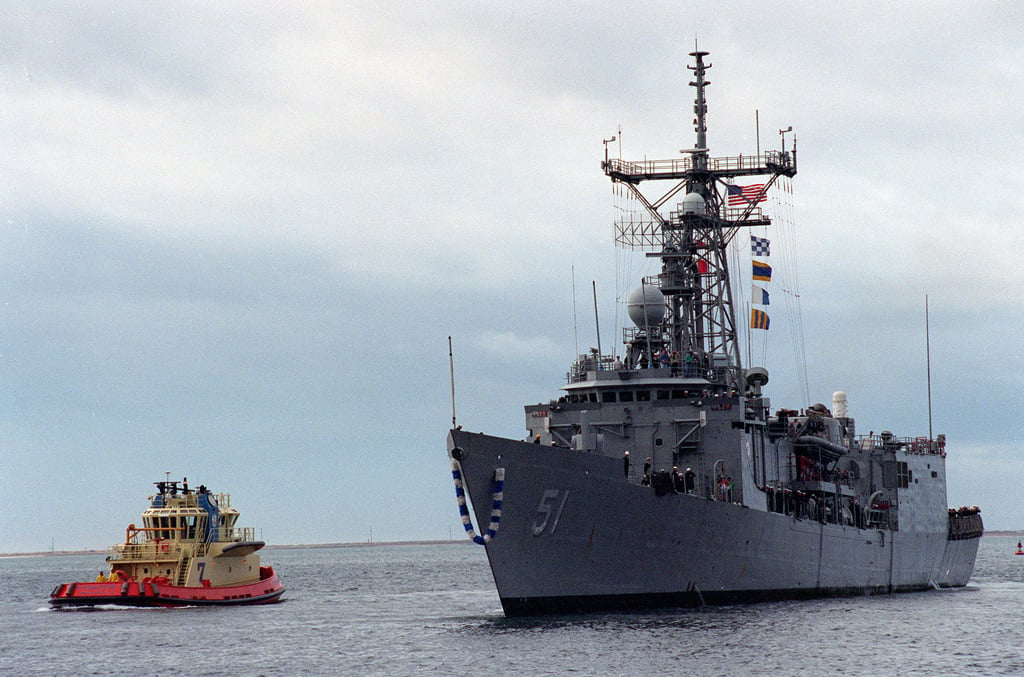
<point x="188" y="552"/>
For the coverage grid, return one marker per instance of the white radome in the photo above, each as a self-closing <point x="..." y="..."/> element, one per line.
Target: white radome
<point x="646" y="306"/>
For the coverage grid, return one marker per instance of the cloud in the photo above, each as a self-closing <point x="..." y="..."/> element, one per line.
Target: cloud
<point x="236" y="238"/>
<point x="509" y="346"/>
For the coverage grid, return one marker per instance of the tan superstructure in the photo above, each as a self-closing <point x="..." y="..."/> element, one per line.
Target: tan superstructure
<point x="189" y="537"/>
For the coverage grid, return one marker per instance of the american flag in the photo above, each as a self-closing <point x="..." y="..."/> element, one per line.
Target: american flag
<point x="741" y="196"/>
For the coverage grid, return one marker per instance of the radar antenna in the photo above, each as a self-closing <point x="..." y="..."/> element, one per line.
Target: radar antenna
<point x="692" y="239"/>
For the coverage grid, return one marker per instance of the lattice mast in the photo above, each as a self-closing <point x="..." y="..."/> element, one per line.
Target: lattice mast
<point x="692" y="241"/>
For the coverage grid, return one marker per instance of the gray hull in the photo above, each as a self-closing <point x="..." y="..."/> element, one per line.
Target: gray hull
<point x="663" y="475"/>
<point x="574" y="535"/>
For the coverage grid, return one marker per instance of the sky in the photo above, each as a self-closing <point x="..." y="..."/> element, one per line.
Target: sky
<point x="235" y="237"/>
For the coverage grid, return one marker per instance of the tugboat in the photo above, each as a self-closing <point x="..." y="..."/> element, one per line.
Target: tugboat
<point x="737" y="500"/>
<point x="188" y="552"/>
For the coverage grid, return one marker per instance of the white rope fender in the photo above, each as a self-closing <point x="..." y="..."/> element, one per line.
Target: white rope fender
<point x="496" y="499"/>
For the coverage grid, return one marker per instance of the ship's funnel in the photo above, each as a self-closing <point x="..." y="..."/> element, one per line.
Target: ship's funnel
<point x="646" y="306"/>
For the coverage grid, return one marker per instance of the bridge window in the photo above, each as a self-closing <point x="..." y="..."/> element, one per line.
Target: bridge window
<point x="902" y="475"/>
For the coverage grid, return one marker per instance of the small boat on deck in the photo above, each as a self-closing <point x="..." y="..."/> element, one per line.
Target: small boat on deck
<point x="188" y="552"/>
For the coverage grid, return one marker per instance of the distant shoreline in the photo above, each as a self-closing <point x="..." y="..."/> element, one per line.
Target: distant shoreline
<point x="363" y="544"/>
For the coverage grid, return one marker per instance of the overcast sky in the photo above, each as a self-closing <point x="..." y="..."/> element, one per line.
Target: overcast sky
<point x="236" y="236"/>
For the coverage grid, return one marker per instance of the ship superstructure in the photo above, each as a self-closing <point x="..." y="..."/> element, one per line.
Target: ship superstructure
<point x="667" y="477"/>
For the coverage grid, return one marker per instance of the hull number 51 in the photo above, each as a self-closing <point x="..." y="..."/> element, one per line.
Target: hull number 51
<point x="549" y="510"/>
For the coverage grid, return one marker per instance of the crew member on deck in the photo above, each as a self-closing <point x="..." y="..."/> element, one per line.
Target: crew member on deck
<point x="691" y="363"/>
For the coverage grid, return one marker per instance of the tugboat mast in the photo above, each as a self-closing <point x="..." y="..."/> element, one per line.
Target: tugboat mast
<point x="692" y="242"/>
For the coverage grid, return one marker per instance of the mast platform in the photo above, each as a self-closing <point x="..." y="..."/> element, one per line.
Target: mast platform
<point x="769" y="162"/>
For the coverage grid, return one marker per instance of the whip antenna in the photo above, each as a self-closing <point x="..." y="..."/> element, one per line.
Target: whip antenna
<point x="451" y="371"/>
<point x="575" y="328"/>
<point x="928" y="360"/>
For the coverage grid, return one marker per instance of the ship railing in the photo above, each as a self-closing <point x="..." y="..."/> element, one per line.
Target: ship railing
<point x="191" y="499"/>
<point x="236" y="534"/>
<point x="588" y="363"/>
<point x="153" y="550"/>
<point x="744" y="216"/>
<point x="697" y="484"/>
<point x="910" y="445"/>
<point x="965" y="523"/>
<point x="180" y="499"/>
<point x="769" y="162"/>
<point x="823" y="503"/>
<point x="143" y="537"/>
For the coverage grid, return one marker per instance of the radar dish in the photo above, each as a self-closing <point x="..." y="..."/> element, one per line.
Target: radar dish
<point x="757" y="377"/>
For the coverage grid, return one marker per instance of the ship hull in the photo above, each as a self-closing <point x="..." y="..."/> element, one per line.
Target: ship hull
<point x="574" y="535"/>
<point x="147" y="593"/>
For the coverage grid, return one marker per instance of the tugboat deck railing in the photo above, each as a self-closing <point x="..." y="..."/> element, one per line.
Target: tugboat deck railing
<point x="168" y="549"/>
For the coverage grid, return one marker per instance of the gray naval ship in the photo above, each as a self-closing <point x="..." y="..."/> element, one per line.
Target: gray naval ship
<point x="668" y="479"/>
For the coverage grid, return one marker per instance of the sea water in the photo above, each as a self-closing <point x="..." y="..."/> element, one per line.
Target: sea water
<point x="432" y="610"/>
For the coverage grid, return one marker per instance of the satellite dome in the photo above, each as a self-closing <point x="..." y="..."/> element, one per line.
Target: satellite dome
<point x="693" y="203"/>
<point x="646" y="306"/>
